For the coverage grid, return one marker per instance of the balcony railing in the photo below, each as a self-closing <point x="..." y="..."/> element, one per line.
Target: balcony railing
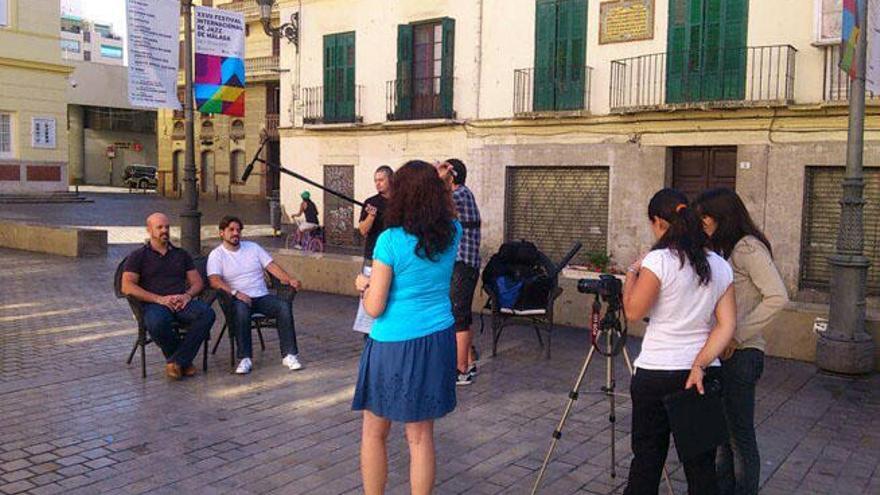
<point x="836" y="83"/>
<point x="272" y="122"/>
<point x="318" y="110"/>
<point x="759" y="76"/>
<point x="421" y="98"/>
<point x="261" y="68"/>
<point x="570" y="94"/>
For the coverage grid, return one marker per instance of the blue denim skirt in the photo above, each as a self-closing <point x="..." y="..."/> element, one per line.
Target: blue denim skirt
<point x="408" y="381"/>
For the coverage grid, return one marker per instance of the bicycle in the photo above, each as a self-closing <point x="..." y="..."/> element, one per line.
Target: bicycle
<point x="310" y="241"/>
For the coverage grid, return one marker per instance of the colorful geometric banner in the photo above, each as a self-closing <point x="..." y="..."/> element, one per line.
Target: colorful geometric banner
<point x="219" y="61"/>
<point x="849" y="38"/>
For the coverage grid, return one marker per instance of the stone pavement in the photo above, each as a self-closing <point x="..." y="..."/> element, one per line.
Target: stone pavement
<point x="77" y="420"/>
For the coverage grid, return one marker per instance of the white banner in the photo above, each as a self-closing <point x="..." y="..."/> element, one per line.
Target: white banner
<point x="153" y="59"/>
<point x="219" y="32"/>
<point x="872" y="75"/>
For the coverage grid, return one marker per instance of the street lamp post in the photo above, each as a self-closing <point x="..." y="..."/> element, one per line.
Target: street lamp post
<point x="288" y="30"/>
<point x="191" y="218"/>
<point x="845" y="347"/>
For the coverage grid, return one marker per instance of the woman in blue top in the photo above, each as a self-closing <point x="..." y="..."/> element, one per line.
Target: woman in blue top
<point x="407" y="370"/>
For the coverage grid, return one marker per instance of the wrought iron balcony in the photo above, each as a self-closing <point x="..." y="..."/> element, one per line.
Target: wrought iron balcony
<point x="420" y="98"/>
<point x="836" y="83"/>
<point x="756" y="76"/>
<point x="261" y="69"/>
<point x="331" y="108"/>
<point x="551" y="94"/>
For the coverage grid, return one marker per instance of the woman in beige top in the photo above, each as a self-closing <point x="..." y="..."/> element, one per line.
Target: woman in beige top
<point x="760" y="295"/>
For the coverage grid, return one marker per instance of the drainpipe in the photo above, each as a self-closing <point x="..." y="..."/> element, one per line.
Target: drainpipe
<point x="479" y="56"/>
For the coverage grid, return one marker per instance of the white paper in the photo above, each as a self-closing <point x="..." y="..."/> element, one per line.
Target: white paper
<point x="153" y="58"/>
<point x="363" y="322"/>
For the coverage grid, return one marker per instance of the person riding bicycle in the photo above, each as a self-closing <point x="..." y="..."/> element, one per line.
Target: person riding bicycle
<point x="307" y="208"/>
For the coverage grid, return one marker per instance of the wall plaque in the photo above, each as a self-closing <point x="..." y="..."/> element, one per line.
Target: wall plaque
<point x="626" y="20"/>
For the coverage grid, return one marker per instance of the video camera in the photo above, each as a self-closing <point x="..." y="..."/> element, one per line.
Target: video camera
<point x="607" y="287"/>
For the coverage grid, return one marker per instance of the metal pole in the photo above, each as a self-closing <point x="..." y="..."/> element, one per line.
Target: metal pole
<point x="190" y="219"/>
<point x="845" y="347"/>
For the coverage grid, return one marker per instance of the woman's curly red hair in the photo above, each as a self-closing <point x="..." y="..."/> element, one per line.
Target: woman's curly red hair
<point x="422" y="205"/>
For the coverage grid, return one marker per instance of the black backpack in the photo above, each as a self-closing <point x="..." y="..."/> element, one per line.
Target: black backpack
<point x="520" y="261"/>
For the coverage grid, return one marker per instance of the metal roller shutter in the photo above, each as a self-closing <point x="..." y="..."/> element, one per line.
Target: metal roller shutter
<point x="556" y="206"/>
<point x="821" y="217"/>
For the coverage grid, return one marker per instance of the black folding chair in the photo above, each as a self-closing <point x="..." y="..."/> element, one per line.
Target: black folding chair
<point x="259" y="321"/>
<point x="207" y="296"/>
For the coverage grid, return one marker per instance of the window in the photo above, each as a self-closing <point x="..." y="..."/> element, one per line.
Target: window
<point x="560" y="54"/>
<point x="72" y="46"/>
<point x="236" y="166"/>
<point x="4" y="13"/>
<point x="5" y="135"/>
<point x="178" y="131"/>
<point x="108" y="51"/>
<point x="423" y="88"/>
<point x="829" y="17"/>
<point x="236" y="129"/>
<point x="339" y="87"/>
<point x="821" y="218"/>
<point x="87" y="36"/>
<point x="87" y="56"/>
<point x="706" y="50"/>
<point x="207" y="130"/>
<point x="556" y="206"/>
<point x="43" y="132"/>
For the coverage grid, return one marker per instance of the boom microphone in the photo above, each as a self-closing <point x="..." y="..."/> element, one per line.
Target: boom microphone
<point x="247" y="172"/>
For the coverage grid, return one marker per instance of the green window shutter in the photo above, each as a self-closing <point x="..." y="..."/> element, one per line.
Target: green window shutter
<point x="676" y="59"/>
<point x="330" y="77"/>
<point x="346" y="62"/>
<point x="403" y="84"/>
<point x="447" y="71"/>
<point x="711" y="79"/>
<point x="733" y="37"/>
<point x="544" y="96"/>
<point x="571" y="45"/>
<point x="684" y="51"/>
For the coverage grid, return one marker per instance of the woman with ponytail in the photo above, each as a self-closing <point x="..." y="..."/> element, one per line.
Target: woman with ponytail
<point x="760" y="296"/>
<point x="686" y="290"/>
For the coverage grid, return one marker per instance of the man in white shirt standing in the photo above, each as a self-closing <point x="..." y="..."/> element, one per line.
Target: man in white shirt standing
<point x="236" y="267"/>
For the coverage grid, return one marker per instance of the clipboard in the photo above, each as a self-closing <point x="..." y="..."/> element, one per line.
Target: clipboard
<point x="697" y="421"/>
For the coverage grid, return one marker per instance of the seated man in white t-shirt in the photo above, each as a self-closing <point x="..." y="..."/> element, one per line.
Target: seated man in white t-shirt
<point x="236" y="267"/>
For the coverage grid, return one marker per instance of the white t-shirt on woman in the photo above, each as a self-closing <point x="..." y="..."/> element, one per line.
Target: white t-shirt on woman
<point x="684" y="313"/>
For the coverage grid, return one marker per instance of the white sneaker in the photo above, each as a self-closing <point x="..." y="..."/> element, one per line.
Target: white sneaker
<point x="291" y="362"/>
<point x="244" y="367"/>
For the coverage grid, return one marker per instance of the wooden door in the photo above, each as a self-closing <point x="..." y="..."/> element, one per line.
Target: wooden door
<point x="695" y="169"/>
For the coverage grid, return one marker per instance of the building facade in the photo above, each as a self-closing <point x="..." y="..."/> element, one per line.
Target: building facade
<point x="224" y="145"/>
<point x="571" y="113"/>
<point x="106" y="134"/>
<point x="33" y="115"/>
<point x="90" y="41"/>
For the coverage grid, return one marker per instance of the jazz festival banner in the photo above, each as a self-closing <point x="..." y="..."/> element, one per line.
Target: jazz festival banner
<point x="219" y="61"/>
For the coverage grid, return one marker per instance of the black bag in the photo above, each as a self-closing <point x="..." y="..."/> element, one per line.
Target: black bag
<point x="697" y="421"/>
<point x="520" y="261"/>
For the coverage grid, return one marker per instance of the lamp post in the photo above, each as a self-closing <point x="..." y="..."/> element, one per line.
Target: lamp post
<point x="191" y="218"/>
<point x="845" y="347"/>
<point x="288" y="30"/>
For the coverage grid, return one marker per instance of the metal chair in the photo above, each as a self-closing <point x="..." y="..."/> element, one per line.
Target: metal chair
<point x="259" y="321"/>
<point x="540" y="318"/>
<point x="207" y="296"/>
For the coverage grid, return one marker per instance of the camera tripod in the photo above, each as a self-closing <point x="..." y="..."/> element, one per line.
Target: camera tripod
<point x="608" y="338"/>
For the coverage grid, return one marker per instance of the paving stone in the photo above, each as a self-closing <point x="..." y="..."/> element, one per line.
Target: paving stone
<point x="90" y="424"/>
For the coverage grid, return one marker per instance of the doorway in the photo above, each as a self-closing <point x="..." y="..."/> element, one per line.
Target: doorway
<point x="695" y="169"/>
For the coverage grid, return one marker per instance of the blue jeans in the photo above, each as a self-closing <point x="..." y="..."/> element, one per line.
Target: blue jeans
<point x="272" y="307"/>
<point x="197" y="317"/>
<point x="738" y="462"/>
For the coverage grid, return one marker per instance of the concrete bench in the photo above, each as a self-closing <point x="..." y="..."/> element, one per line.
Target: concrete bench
<point x="53" y="239"/>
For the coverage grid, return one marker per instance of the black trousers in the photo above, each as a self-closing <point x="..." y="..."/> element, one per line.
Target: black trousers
<point x="650" y="436"/>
